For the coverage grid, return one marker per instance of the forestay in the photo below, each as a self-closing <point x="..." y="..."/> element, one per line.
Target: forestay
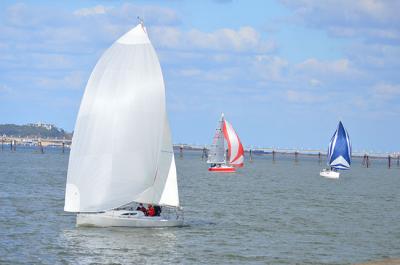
<point x="339" y="150"/>
<point x="121" y="149"/>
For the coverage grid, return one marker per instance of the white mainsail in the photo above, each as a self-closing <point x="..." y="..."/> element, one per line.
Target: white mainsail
<point x="164" y="190"/>
<point x="217" y="149"/>
<point x="121" y="150"/>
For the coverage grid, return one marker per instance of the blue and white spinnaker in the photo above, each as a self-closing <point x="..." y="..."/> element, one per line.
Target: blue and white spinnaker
<point x="339" y="151"/>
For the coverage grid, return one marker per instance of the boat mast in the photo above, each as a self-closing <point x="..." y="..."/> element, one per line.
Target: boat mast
<point x="222" y="135"/>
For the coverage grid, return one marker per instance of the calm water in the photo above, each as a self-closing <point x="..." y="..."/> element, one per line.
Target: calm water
<point x="267" y="213"/>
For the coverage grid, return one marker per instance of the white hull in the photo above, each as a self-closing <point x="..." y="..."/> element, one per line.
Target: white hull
<point x="329" y="174"/>
<point x="124" y="218"/>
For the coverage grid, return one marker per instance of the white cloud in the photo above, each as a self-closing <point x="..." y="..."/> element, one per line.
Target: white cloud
<point x="340" y="67"/>
<point x="190" y="72"/>
<point x="304" y="97"/>
<point x="379" y="34"/>
<point x="314" y="82"/>
<point x="270" y="67"/>
<point x="91" y="11"/>
<point x="221" y="58"/>
<point x="70" y="81"/>
<point x="375" y="55"/>
<point x="166" y="36"/>
<point x="5" y="89"/>
<point x="373" y="12"/>
<point x="365" y="19"/>
<point x="216" y="75"/>
<point x="127" y="12"/>
<point x="385" y="91"/>
<point x="244" y="39"/>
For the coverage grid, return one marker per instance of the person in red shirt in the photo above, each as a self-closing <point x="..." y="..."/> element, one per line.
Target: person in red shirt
<point x="151" y="211"/>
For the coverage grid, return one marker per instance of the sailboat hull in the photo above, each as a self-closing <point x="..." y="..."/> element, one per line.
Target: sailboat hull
<point x="123" y="218"/>
<point x="329" y="174"/>
<point x="222" y="169"/>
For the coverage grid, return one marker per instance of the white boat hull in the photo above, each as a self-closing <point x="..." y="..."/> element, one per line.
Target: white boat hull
<point x="222" y="168"/>
<point x="124" y="218"/>
<point x="329" y="174"/>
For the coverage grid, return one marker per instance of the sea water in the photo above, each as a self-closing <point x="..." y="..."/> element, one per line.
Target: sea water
<point x="269" y="212"/>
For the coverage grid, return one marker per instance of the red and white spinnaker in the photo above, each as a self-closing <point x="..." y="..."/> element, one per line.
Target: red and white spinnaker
<point x="235" y="147"/>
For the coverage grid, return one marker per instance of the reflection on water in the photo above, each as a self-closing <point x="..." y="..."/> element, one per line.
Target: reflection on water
<point x="121" y="245"/>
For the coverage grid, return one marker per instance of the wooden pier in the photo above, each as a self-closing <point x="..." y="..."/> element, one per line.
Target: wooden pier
<point x="366" y="158"/>
<point x="41" y="143"/>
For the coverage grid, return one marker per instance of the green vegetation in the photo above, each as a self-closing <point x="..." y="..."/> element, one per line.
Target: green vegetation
<point x="34" y="130"/>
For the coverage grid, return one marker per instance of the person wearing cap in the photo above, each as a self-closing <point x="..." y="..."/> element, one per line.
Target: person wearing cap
<point x="141" y="208"/>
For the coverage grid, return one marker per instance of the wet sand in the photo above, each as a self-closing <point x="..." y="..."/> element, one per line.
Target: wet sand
<point x="382" y="262"/>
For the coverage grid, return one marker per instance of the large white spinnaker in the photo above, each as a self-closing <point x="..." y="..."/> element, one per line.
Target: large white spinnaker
<point x="117" y="149"/>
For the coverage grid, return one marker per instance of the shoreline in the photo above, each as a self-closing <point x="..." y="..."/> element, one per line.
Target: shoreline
<point x="57" y="142"/>
<point x="390" y="261"/>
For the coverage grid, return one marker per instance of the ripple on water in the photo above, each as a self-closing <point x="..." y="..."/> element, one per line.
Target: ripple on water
<point x="266" y="213"/>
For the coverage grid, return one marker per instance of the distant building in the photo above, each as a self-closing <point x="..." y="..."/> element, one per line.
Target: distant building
<point x="48" y="126"/>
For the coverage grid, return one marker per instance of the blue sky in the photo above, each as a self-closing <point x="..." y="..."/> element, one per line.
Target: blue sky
<point x="283" y="72"/>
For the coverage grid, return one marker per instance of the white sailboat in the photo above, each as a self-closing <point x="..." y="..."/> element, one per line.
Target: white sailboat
<point x="339" y="153"/>
<point x="217" y="156"/>
<point x="121" y="151"/>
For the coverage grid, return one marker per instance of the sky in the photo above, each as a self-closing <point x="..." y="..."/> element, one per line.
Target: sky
<point x="283" y="72"/>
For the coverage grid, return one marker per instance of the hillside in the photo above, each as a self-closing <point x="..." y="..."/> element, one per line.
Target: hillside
<point x="34" y="130"/>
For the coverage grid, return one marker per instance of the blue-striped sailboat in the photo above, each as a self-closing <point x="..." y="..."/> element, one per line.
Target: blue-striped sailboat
<point x="339" y="153"/>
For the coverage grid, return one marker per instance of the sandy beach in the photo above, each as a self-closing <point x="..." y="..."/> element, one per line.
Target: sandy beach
<point x="381" y="262"/>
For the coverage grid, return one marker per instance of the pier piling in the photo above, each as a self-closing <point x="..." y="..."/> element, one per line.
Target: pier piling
<point x="296" y="154"/>
<point x="366" y="161"/>
<point x="13" y="145"/>
<point x="2" y="144"/>
<point x="63" y="147"/>
<point x="319" y="158"/>
<point x="251" y="155"/>
<point x="389" y="161"/>
<point x="273" y="156"/>
<point x="204" y="154"/>
<point x="181" y="151"/>
<point x="398" y="160"/>
<point x="41" y="147"/>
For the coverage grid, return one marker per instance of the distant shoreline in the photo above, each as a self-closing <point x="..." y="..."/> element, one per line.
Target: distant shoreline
<point x="288" y="151"/>
<point x="58" y="142"/>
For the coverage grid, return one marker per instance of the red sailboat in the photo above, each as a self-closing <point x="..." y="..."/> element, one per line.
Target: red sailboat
<point x="219" y="160"/>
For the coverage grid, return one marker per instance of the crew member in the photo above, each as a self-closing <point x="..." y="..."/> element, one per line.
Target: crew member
<point x="151" y="211"/>
<point x="141" y="208"/>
